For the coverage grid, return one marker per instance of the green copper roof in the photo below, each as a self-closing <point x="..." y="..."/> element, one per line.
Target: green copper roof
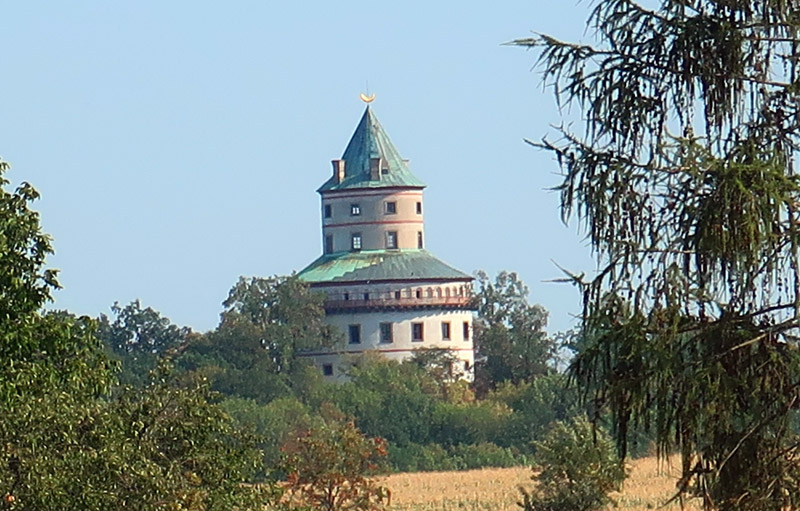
<point x="378" y="265"/>
<point x="370" y="141"/>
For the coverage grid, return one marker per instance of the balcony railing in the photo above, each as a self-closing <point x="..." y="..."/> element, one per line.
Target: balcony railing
<point x="448" y="302"/>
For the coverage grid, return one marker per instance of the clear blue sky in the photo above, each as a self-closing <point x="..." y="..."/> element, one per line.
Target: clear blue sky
<point x="178" y="145"/>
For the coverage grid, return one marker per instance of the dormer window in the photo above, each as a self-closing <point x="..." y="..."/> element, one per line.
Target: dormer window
<point x="355" y="210"/>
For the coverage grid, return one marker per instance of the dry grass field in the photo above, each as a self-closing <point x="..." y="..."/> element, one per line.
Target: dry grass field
<point x="650" y="485"/>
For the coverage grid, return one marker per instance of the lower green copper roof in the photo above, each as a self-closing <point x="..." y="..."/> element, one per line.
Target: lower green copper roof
<point x="377" y="265"/>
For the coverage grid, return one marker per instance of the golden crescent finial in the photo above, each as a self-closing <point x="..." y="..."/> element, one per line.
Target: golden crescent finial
<point x="367" y="99"/>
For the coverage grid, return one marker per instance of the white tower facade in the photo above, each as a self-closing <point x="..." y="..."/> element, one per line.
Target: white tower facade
<point x="384" y="290"/>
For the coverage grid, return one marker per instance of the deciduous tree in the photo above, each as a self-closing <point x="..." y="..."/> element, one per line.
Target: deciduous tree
<point x="329" y="468"/>
<point x="511" y="343"/>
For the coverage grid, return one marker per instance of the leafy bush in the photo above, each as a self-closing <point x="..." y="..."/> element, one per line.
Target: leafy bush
<point x="434" y="457"/>
<point x="580" y="468"/>
<point x="485" y="455"/>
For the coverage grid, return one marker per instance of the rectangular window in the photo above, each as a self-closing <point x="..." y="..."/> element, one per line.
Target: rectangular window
<point x="328" y="211"/>
<point x="355" y="334"/>
<point x="445" y="330"/>
<point x="466" y="365"/>
<point x="355" y="241"/>
<point x="419" y="208"/>
<point x="346" y="297"/>
<point x="366" y="297"/>
<point x="327" y="369"/>
<point x="417" y="333"/>
<point x="397" y="295"/>
<point x="466" y="330"/>
<point x="386" y="333"/>
<point x="391" y="239"/>
<point x="329" y="243"/>
<point x="418" y="293"/>
<point x="355" y="210"/>
<point x="419" y="239"/>
<point x="391" y="208"/>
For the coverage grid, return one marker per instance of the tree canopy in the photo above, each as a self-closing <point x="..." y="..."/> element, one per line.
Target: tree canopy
<point x="511" y="343"/>
<point x="684" y="178"/>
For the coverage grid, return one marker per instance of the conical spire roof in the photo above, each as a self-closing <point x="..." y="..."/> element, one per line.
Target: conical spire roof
<point x="368" y="144"/>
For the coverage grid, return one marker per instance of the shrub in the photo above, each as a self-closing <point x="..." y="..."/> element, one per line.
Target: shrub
<point x="579" y="466"/>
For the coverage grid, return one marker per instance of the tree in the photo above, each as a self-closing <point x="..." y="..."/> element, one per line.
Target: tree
<point x="329" y="469"/>
<point x="684" y="178"/>
<point x="138" y="337"/>
<point x="444" y="368"/>
<point x="65" y="441"/>
<point x="266" y="324"/>
<point x="579" y="468"/>
<point x="388" y="399"/>
<point x="188" y="453"/>
<point x="511" y="343"/>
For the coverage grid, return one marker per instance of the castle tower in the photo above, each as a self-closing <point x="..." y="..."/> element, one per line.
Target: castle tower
<point x="384" y="290"/>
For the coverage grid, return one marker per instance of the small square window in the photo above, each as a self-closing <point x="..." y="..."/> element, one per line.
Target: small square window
<point x="391" y="208"/>
<point x="354" y="332"/>
<point x="328" y="211"/>
<point x="419" y="208"/>
<point x="417" y="333"/>
<point x="466" y="330"/>
<point x="327" y="369"/>
<point x="355" y="241"/>
<point x="386" y="333"/>
<point x="445" y="331"/>
<point x="329" y="243"/>
<point x="355" y="210"/>
<point x="391" y="239"/>
<point x="419" y="239"/>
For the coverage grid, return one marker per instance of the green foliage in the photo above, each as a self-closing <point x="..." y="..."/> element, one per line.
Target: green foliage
<point x="434" y="457"/>
<point x="534" y="406"/>
<point x="273" y="424"/>
<point x="579" y="468"/>
<point x="138" y="338"/>
<point x="65" y="442"/>
<point x="265" y="325"/>
<point x="329" y="469"/>
<point x="25" y="284"/>
<point x="510" y="336"/>
<point x="684" y="178"/>
<point x="387" y="399"/>
<point x="187" y="455"/>
<point x="468" y="423"/>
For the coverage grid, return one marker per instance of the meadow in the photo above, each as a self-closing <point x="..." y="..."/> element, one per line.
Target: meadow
<point x="650" y="485"/>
